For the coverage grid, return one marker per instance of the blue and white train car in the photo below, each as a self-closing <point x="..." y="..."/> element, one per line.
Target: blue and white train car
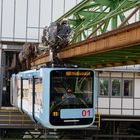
<point x="40" y="94"/>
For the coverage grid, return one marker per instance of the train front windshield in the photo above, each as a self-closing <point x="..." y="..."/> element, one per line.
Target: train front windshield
<point x="71" y="97"/>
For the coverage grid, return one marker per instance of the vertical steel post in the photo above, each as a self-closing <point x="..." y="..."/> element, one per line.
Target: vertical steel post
<point x="1" y="75"/>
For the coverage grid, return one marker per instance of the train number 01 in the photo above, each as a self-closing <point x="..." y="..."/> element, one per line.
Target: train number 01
<point x="86" y="113"/>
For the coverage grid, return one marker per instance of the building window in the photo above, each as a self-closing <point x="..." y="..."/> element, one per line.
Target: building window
<point x="103" y="86"/>
<point x="128" y="87"/>
<point x="116" y="86"/>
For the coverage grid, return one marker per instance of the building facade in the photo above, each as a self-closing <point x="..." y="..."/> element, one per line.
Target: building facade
<point x="118" y="92"/>
<point x="24" y="20"/>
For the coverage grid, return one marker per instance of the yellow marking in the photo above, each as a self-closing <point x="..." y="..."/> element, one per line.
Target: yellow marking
<point x="55" y="114"/>
<point x="77" y="73"/>
<point x="10" y="111"/>
<point x="7" y="120"/>
<point x="14" y="115"/>
<point x="98" y="117"/>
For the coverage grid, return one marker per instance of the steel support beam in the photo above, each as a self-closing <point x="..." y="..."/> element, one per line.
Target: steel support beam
<point x="98" y="51"/>
<point x="1" y="75"/>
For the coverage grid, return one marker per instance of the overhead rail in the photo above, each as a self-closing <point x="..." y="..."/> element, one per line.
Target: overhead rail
<point x="91" y="18"/>
<point x="115" y="48"/>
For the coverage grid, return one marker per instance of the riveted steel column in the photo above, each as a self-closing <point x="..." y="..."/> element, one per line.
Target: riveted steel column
<point x="1" y="75"/>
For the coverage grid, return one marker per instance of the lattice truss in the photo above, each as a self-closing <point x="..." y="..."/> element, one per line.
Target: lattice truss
<point x="95" y="17"/>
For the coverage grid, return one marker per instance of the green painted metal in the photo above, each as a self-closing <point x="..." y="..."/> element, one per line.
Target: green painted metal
<point x="94" y="17"/>
<point x="115" y="56"/>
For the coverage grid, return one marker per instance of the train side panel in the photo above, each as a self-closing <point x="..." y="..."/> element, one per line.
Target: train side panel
<point x="42" y="99"/>
<point x="22" y="94"/>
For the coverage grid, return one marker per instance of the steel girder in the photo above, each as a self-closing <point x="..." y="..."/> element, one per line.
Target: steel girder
<point x="95" y="17"/>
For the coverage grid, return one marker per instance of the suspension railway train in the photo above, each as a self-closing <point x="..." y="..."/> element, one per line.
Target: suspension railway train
<point x="38" y="93"/>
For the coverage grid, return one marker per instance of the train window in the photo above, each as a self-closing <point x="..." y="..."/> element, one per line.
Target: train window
<point x="79" y="83"/>
<point x="38" y="94"/>
<point x="128" y="87"/>
<point x="18" y="87"/>
<point x="116" y="87"/>
<point x="27" y="89"/>
<point x="103" y="86"/>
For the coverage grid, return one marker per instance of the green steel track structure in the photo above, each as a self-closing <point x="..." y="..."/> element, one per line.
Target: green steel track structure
<point x="94" y="17"/>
